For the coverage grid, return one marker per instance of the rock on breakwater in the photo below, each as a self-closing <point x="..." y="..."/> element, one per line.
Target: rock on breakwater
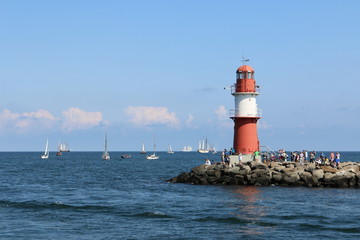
<point x="274" y="173"/>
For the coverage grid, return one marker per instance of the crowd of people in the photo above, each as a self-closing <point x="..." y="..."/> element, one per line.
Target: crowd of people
<point x="300" y="157"/>
<point x="304" y="156"/>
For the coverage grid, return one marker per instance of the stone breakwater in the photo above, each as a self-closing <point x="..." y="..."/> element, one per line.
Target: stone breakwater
<point x="274" y="173"/>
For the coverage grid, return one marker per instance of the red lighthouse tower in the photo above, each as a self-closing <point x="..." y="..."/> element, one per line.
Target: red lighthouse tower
<point x="246" y="113"/>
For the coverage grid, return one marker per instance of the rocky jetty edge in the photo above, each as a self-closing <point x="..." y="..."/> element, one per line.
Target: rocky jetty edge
<point x="273" y="174"/>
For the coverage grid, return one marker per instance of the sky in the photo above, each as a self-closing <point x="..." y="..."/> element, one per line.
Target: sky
<point x="72" y="70"/>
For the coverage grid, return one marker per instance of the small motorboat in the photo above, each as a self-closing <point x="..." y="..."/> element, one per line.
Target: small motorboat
<point x="126" y="156"/>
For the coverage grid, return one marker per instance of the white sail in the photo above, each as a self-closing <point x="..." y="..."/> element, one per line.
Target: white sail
<point x="170" y="149"/>
<point x="106" y="155"/>
<point x="46" y="152"/>
<point x="153" y="156"/>
<point x="203" y="146"/>
<point x="143" y="149"/>
<point x="187" y="149"/>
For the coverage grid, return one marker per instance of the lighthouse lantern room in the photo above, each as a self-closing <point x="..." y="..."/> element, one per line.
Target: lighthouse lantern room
<point x="245" y="116"/>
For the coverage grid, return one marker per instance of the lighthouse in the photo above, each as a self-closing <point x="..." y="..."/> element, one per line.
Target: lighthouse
<point x="245" y="115"/>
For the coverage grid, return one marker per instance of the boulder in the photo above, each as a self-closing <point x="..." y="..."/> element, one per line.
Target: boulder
<point x="202" y="169"/>
<point x="318" y="174"/>
<point x="274" y="164"/>
<point x="307" y="178"/>
<point x="291" y="177"/>
<point x="233" y="170"/>
<point x="310" y="167"/>
<point x="277" y="177"/>
<point x="260" y="177"/>
<point x="279" y="168"/>
<point x="328" y="176"/>
<point x="329" y="169"/>
<point x="245" y="167"/>
<point x="340" y="181"/>
<point x="217" y="174"/>
<point x="351" y="178"/>
<point x="351" y="168"/>
<point x="258" y="165"/>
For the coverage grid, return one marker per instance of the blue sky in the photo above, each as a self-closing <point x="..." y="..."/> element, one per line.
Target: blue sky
<point x="71" y="70"/>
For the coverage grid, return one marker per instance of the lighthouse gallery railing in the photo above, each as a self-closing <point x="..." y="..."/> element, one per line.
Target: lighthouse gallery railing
<point x="234" y="113"/>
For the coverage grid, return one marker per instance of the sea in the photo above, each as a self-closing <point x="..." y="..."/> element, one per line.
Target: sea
<point x="80" y="196"/>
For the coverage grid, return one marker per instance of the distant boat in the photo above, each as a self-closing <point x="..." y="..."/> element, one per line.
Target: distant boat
<point x="126" y="156"/>
<point x="143" y="149"/>
<point x="153" y="156"/>
<point x="46" y="152"/>
<point x="187" y="149"/>
<point x="203" y="146"/>
<point x="213" y="150"/>
<point x="64" y="147"/>
<point x="170" y="149"/>
<point x="106" y="155"/>
<point x="59" y="153"/>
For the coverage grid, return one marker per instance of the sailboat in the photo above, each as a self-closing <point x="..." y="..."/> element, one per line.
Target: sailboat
<point x="203" y="146"/>
<point x="187" y="149"/>
<point x="106" y="155"/>
<point x="46" y="153"/>
<point x="59" y="153"/>
<point x="170" y="149"/>
<point x="153" y="156"/>
<point x="64" y="147"/>
<point x="143" y="149"/>
<point x="213" y="150"/>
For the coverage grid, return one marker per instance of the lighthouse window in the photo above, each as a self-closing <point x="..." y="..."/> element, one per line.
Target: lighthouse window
<point x="240" y="75"/>
<point x="249" y="75"/>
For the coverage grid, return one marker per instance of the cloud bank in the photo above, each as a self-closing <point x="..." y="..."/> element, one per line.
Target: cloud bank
<point x="221" y="113"/>
<point x="23" y="122"/>
<point x="77" y="119"/>
<point x="143" y="116"/>
<point x="72" y="119"/>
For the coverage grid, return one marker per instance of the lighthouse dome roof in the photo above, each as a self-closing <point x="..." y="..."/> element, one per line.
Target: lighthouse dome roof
<point x="245" y="68"/>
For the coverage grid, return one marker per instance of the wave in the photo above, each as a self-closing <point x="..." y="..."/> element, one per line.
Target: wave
<point x="153" y="215"/>
<point x="325" y="228"/>
<point x="234" y="220"/>
<point x="37" y="205"/>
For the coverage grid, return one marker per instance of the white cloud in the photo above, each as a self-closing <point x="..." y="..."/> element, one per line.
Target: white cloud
<point x="145" y="116"/>
<point x="263" y="125"/>
<point x="223" y="120"/>
<point x="77" y="119"/>
<point x="189" y="121"/>
<point x="221" y="113"/>
<point x="22" y="122"/>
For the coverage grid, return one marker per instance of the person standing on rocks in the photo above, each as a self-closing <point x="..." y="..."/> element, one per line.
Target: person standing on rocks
<point x="322" y="157"/>
<point x="240" y="157"/>
<point x="306" y="155"/>
<point x="223" y="156"/>
<point x="312" y="156"/>
<point x="256" y="155"/>
<point x="337" y="160"/>
<point x="301" y="158"/>
<point x="332" y="156"/>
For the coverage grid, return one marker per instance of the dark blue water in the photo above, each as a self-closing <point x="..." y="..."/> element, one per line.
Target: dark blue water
<point x="80" y="196"/>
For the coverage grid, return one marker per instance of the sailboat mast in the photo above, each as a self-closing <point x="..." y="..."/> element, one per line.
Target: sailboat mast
<point x="154" y="144"/>
<point x="105" y="142"/>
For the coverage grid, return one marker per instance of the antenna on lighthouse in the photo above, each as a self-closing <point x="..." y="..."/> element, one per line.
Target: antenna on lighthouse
<point x="244" y="60"/>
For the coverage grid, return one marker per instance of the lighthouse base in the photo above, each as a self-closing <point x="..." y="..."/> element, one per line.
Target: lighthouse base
<point x="234" y="159"/>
